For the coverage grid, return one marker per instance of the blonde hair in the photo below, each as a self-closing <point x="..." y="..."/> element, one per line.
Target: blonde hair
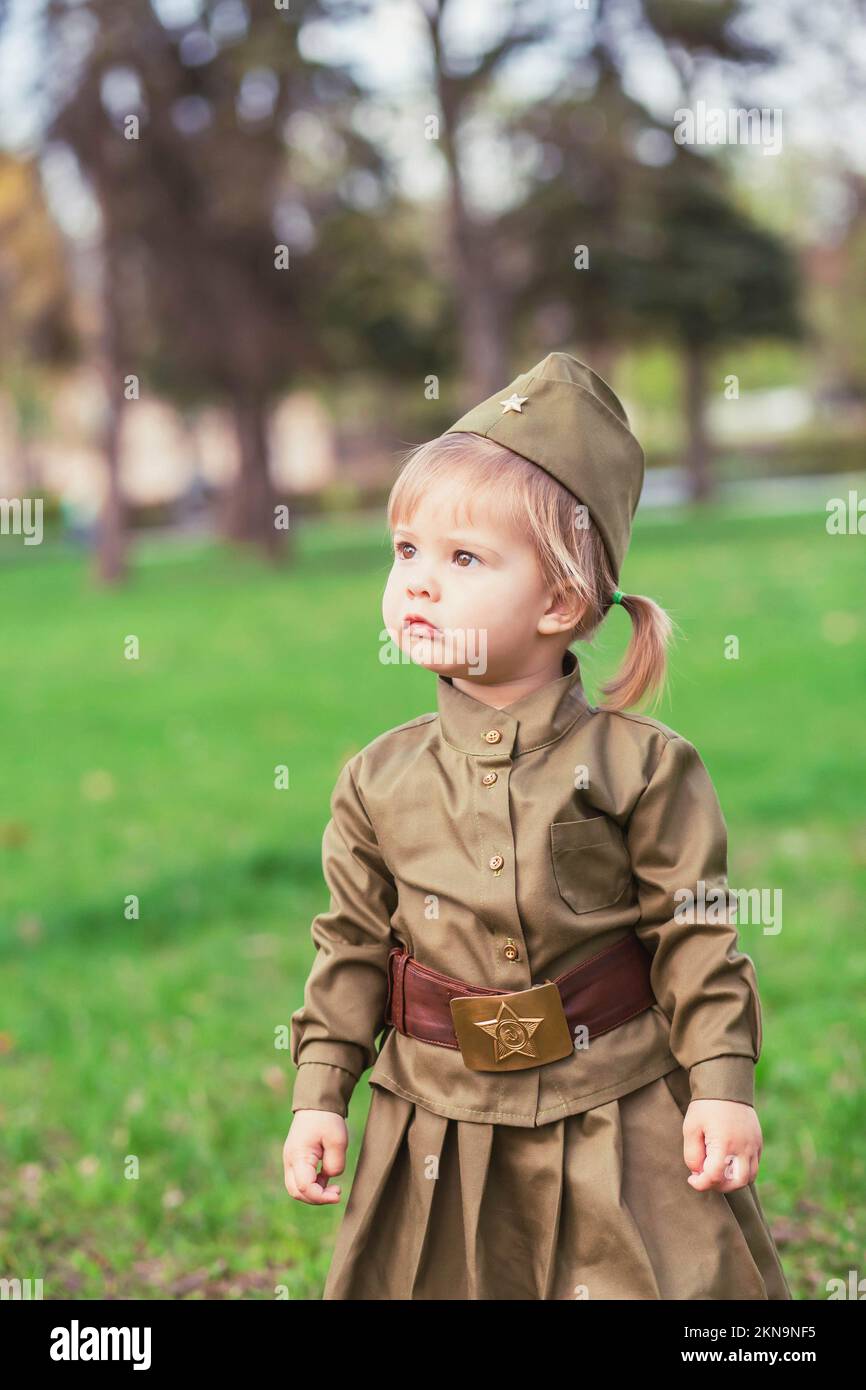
<point x="569" y="549"/>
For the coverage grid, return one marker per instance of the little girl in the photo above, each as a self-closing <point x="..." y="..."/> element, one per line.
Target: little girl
<point x="529" y="896"/>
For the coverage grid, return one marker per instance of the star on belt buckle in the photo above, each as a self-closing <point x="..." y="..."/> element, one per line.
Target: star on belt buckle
<point x="509" y="1032"/>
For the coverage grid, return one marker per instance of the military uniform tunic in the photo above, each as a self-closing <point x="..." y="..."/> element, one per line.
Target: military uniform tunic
<point x="504" y="847"/>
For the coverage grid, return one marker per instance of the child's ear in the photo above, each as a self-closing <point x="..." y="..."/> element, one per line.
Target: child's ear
<point x="575" y="606"/>
<point x="563" y="614"/>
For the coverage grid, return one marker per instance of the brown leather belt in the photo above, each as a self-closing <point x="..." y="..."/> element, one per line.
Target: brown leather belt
<point x="527" y="1027"/>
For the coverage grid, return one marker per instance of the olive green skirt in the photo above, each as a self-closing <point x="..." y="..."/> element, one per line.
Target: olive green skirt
<point x="591" y="1206"/>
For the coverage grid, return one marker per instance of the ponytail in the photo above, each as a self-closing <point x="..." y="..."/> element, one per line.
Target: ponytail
<point x="644" y="666"/>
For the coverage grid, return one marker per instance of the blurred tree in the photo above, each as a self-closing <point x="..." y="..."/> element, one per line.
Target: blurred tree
<point x="36" y="315"/>
<point x="383" y="305"/>
<point x="667" y="252"/>
<point x="460" y="83"/>
<point x="589" y="196"/>
<point x="224" y="163"/>
<point x="838" y="283"/>
<point x="610" y="35"/>
<point x="708" y="277"/>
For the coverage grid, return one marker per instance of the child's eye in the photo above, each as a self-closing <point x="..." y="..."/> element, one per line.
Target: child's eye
<point x="471" y="557"/>
<point x="399" y="547"/>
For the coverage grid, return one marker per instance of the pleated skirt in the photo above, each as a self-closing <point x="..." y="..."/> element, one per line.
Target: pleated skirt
<point x="591" y="1206"/>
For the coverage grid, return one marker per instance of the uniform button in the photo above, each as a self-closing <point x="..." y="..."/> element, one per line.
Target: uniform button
<point x="510" y="950"/>
<point x="489" y="779"/>
<point x="496" y="861"/>
<point x="493" y="736"/>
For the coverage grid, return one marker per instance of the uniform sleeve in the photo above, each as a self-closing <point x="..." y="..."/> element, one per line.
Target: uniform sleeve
<point x="333" y="1034"/>
<point x="677" y="840"/>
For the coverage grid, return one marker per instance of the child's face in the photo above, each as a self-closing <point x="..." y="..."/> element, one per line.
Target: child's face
<point x="480" y="588"/>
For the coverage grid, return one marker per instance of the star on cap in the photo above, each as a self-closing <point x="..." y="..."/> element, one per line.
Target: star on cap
<point x="514" y="402"/>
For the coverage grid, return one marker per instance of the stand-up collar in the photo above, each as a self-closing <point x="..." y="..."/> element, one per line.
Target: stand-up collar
<point x="541" y="717"/>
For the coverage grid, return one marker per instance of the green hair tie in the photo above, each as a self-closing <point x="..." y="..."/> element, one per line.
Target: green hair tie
<point x="618" y="596"/>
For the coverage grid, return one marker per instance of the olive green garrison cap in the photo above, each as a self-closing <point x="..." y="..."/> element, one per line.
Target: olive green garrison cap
<point x="564" y="417"/>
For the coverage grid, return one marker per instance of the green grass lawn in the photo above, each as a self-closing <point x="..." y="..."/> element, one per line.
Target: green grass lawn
<point x="143" y="1102"/>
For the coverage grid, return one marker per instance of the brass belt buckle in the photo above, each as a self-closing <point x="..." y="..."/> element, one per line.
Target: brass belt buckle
<point x="509" y="1032"/>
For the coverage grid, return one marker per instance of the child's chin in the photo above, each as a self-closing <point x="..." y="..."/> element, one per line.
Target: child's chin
<point x="429" y="653"/>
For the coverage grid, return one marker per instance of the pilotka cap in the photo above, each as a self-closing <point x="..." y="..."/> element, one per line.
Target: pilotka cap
<point x="564" y="417"/>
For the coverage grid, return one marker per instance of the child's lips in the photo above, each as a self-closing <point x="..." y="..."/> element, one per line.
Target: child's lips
<point x="419" y="624"/>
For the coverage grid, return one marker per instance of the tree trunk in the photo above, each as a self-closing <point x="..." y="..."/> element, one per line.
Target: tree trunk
<point x="479" y="306"/>
<point x="111" y="558"/>
<point x="483" y="352"/>
<point x="250" y="502"/>
<point x="698" y="453"/>
<point x="111" y="554"/>
<point x="27" y="484"/>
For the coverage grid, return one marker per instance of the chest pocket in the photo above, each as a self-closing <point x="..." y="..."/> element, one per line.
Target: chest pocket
<point x="590" y="862"/>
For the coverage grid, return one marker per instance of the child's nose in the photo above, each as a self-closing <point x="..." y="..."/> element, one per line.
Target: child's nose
<point x="421" y="587"/>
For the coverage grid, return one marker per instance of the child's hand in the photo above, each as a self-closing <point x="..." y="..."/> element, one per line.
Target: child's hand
<point x="722" y="1144"/>
<point x="314" y="1135"/>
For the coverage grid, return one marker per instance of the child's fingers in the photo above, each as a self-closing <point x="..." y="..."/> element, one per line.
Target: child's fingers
<point x="723" y="1171"/>
<point x="333" y="1157"/>
<point x="712" y="1172"/>
<point x="694" y="1149"/>
<point x="311" y="1186"/>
